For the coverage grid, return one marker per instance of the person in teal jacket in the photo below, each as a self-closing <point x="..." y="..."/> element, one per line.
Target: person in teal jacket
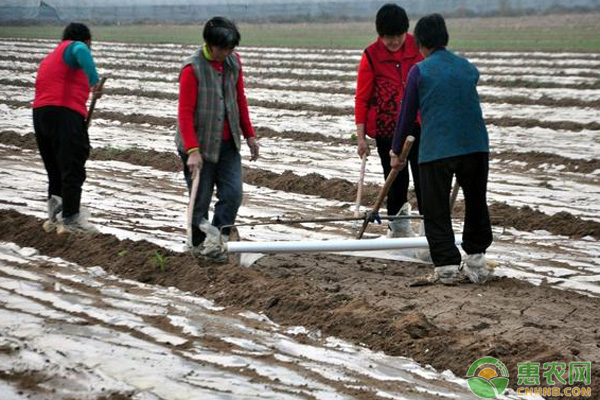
<point x="64" y="80"/>
<point x="453" y="142"/>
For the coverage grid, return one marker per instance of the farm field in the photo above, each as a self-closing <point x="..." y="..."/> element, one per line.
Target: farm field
<point x="565" y="32"/>
<point x="104" y="318"/>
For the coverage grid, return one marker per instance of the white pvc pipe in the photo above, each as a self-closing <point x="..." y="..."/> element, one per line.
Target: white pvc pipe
<point x="327" y="245"/>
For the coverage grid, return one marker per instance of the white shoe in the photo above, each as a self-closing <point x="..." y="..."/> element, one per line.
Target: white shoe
<point x="212" y="246"/>
<point x="401" y="227"/>
<point x="196" y="251"/>
<point x="54" y="207"/>
<point x="77" y="223"/>
<point x="447" y="274"/>
<point x="477" y="268"/>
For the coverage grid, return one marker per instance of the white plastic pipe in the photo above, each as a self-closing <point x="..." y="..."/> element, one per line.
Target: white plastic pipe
<point x="327" y="245"/>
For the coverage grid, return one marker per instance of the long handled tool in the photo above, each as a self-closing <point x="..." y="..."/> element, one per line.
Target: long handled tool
<point x="93" y="103"/>
<point x="361" y="181"/>
<point x="279" y="221"/>
<point x="373" y="214"/>
<point x="190" y="210"/>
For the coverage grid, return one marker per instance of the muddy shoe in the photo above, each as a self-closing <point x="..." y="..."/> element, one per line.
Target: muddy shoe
<point x="196" y="251"/>
<point x="446" y="275"/>
<point x="220" y="258"/>
<point x="400" y="228"/>
<point x="78" y="224"/>
<point x="54" y="207"/>
<point x="213" y="245"/>
<point x="214" y="252"/>
<point x="477" y="268"/>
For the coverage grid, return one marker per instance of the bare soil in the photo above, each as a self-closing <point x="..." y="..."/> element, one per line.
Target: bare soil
<point x="359" y="299"/>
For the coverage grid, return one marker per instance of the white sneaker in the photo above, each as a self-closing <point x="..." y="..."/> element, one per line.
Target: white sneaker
<point x="54" y="207"/>
<point x="213" y="247"/>
<point x="447" y="274"/>
<point x="77" y="223"/>
<point x="477" y="268"/>
<point x="401" y="227"/>
<point x="196" y="251"/>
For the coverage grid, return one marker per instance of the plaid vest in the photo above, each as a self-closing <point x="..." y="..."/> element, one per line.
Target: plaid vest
<point x="217" y="100"/>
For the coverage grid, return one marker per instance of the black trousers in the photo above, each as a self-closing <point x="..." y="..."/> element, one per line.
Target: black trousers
<point x="398" y="193"/>
<point x="471" y="171"/>
<point x="64" y="145"/>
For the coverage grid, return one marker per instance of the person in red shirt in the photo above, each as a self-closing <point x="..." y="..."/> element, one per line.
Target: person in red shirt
<point x="382" y="76"/>
<point x="212" y="118"/>
<point x="64" y="80"/>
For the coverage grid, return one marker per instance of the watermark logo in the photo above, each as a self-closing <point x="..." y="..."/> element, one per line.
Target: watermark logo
<point x="487" y="378"/>
<point x="560" y="380"/>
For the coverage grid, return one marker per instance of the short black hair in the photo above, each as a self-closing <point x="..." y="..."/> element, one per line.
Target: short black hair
<point x="221" y="32"/>
<point x="77" y="31"/>
<point x="391" y="20"/>
<point x="431" y="32"/>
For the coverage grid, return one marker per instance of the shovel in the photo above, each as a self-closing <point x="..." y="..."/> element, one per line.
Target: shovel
<point x="88" y="121"/>
<point x="373" y="214"/>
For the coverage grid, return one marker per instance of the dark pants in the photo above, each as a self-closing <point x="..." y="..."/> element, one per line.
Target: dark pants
<point x="226" y="174"/>
<point x="398" y="193"/>
<point x="471" y="171"/>
<point x="64" y="145"/>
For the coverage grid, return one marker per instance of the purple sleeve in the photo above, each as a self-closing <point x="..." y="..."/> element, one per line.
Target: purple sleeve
<point x="409" y="109"/>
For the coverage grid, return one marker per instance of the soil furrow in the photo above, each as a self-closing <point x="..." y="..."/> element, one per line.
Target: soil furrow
<point x="328" y="77"/>
<point x="331" y="110"/>
<point x="502" y="215"/>
<point x="361" y="300"/>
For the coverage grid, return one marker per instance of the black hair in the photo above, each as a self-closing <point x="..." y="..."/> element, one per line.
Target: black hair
<point x="431" y="32"/>
<point x="77" y="31"/>
<point x="221" y="32"/>
<point x="391" y="20"/>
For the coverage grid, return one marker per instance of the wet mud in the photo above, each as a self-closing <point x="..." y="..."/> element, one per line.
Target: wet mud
<point x="359" y="299"/>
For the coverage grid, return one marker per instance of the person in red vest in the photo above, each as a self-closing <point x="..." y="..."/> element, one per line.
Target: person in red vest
<point x="213" y="118"/>
<point x="382" y="76"/>
<point x="64" y="80"/>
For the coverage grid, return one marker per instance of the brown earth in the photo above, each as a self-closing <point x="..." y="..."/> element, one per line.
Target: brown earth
<point x="535" y="159"/>
<point x="523" y="218"/>
<point x="362" y="300"/>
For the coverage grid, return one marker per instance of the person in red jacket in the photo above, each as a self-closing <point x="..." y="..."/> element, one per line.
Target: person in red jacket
<point x="62" y="86"/>
<point x="212" y="118"/>
<point x="382" y="76"/>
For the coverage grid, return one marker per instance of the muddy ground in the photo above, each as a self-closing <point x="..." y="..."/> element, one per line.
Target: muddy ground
<point x="502" y="215"/>
<point x="359" y="299"/>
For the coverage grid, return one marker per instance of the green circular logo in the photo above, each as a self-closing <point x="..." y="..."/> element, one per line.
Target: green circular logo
<point x="487" y="378"/>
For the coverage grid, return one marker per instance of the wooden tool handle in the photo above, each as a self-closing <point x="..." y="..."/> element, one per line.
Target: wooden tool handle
<point x="388" y="182"/>
<point x="361" y="180"/>
<point x="408" y="143"/>
<point x="93" y="103"/>
<point x="192" y="201"/>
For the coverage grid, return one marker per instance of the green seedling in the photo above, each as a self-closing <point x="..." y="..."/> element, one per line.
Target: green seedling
<point x="160" y="261"/>
<point x="122" y="253"/>
<point x="353" y="137"/>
